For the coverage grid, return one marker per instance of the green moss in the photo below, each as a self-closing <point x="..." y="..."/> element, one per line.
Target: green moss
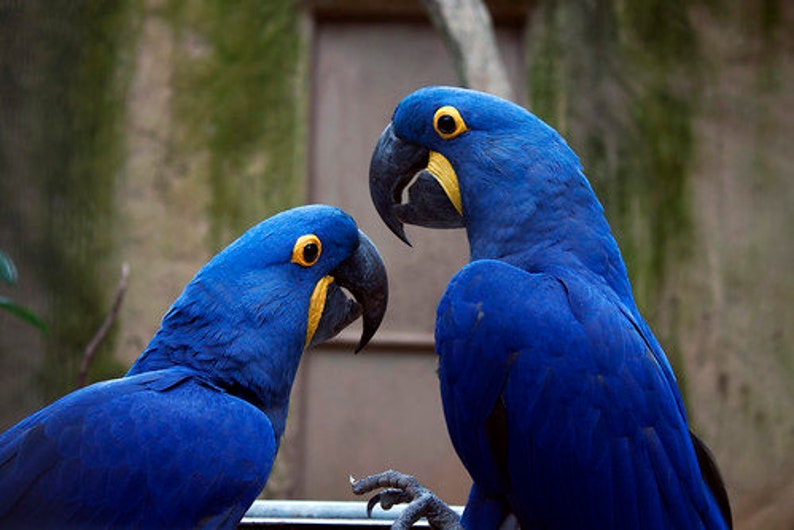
<point x="546" y="76"/>
<point x="619" y="80"/>
<point x="73" y="103"/>
<point x="769" y="28"/>
<point x="238" y="95"/>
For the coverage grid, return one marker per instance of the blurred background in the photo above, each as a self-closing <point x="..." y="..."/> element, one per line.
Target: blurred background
<point x="153" y="132"/>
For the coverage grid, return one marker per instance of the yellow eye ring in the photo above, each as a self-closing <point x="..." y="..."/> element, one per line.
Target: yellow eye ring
<point x="448" y="122"/>
<point x="307" y="250"/>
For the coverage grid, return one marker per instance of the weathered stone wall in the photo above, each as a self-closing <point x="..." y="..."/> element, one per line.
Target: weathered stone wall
<point x="142" y="131"/>
<point x="61" y="110"/>
<point x="214" y="142"/>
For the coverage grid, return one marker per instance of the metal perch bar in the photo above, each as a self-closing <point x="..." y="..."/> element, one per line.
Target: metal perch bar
<point x="320" y="514"/>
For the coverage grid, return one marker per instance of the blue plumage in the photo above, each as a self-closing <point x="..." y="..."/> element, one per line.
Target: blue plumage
<point x="187" y="439"/>
<point x="558" y="398"/>
<point x="151" y="450"/>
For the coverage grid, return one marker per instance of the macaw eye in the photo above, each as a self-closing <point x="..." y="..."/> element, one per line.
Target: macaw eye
<point x="448" y="122"/>
<point x="307" y="250"/>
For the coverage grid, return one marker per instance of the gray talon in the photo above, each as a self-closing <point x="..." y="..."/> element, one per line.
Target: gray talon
<point x="372" y="503"/>
<point x="402" y="488"/>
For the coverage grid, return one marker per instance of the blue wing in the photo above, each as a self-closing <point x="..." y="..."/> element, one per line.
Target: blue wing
<point x="560" y="409"/>
<point x="160" y="449"/>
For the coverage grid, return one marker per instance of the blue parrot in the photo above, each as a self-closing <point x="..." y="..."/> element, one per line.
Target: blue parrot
<point x="558" y="398"/>
<point x="187" y="437"/>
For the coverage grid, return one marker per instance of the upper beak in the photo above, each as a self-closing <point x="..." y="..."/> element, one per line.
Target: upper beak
<point x="363" y="274"/>
<point x="394" y="165"/>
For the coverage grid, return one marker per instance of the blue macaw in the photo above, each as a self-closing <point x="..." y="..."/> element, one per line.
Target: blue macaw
<point x="558" y="398"/>
<point x="187" y="438"/>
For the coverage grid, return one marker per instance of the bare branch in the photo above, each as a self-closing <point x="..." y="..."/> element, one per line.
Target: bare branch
<point x="96" y="340"/>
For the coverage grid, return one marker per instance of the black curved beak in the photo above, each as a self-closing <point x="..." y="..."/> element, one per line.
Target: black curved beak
<point x="395" y="163"/>
<point x="363" y="274"/>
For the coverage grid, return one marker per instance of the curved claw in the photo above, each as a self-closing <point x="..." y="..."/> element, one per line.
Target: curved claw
<point x="404" y="488"/>
<point x="372" y="502"/>
<point x="387" y="499"/>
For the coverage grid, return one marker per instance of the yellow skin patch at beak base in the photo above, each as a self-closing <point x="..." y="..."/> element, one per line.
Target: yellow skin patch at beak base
<point x="316" y="306"/>
<point x="441" y="169"/>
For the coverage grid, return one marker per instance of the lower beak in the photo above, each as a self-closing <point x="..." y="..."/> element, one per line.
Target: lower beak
<point x="363" y="274"/>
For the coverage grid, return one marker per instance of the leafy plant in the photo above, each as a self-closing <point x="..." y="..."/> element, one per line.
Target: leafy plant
<point x="9" y="275"/>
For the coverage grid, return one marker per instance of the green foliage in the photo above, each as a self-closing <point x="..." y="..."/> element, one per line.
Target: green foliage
<point x="22" y="312"/>
<point x="8" y="271"/>
<point x="9" y="275"/>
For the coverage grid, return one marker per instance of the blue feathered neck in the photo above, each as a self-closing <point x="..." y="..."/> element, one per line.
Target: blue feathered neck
<point x="218" y="330"/>
<point x="529" y="204"/>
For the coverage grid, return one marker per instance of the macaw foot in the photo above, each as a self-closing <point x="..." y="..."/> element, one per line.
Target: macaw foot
<point x="403" y="488"/>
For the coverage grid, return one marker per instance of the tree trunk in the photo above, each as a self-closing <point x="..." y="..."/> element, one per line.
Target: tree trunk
<point x="468" y="32"/>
